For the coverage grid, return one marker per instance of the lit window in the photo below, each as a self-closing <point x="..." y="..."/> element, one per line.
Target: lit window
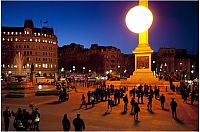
<point x="38" y="40"/>
<point x="24" y="40"/>
<point x="12" y="33"/>
<point x="51" y="66"/>
<point x="54" y="42"/>
<point x="49" y="42"/>
<point x="46" y="66"/>
<point x="38" y="34"/>
<point x="35" y="40"/>
<point x="24" y="32"/>
<point x="39" y="66"/>
<point x="31" y="40"/>
<point x="46" y="41"/>
<point x="43" y="41"/>
<point x="35" y="34"/>
<point x="43" y="65"/>
<point x="8" y="39"/>
<point x="8" y="33"/>
<point x="16" y="33"/>
<point x="11" y="39"/>
<point x="40" y="72"/>
<point x="27" y="65"/>
<point x="20" y="33"/>
<point x="45" y="35"/>
<point x="4" y="32"/>
<point x="3" y="39"/>
<point x="36" y="65"/>
<point x="8" y="66"/>
<point x="3" y="65"/>
<point x="16" y="39"/>
<point x="27" y="32"/>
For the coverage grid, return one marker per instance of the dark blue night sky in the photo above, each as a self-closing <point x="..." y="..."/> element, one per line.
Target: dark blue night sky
<point x="175" y="23"/>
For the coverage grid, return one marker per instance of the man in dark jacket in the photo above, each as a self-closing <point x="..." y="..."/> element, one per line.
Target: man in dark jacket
<point x="78" y="123"/>
<point x="6" y="115"/>
<point x="66" y="123"/>
<point x="173" y="105"/>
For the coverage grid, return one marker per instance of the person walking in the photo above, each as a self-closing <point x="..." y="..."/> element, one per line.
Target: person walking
<point x="125" y="99"/>
<point x="66" y="123"/>
<point x="136" y="111"/>
<point x="83" y="102"/>
<point x="78" y="123"/>
<point x="132" y="104"/>
<point x="110" y="102"/>
<point x="173" y="105"/>
<point x="92" y="99"/>
<point x="6" y="115"/>
<point x="88" y="95"/>
<point x="192" y="96"/>
<point x="162" y="101"/>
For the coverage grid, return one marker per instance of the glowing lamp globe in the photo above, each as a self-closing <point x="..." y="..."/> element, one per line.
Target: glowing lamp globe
<point x="139" y="19"/>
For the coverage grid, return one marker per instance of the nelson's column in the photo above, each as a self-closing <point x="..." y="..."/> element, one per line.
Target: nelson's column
<point x="142" y="73"/>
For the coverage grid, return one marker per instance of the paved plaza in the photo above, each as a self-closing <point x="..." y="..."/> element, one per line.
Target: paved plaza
<point x="96" y="118"/>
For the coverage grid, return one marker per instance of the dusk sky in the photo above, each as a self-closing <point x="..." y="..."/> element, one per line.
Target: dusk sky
<point x="175" y="23"/>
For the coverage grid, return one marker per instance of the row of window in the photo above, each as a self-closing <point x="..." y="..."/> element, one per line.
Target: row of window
<point x="29" y="66"/>
<point x="28" y="40"/>
<point x="44" y="59"/>
<point x="26" y="32"/>
<point x="37" y="47"/>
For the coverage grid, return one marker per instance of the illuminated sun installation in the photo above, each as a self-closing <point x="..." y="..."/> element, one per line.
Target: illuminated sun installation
<point x="139" y="19"/>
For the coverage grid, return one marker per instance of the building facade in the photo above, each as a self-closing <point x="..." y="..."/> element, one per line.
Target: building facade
<point x="38" y="46"/>
<point x="176" y="63"/>
<point x="99" y="59"/>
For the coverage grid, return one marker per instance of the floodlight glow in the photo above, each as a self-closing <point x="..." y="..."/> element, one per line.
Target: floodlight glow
<point x="139" y="19"/>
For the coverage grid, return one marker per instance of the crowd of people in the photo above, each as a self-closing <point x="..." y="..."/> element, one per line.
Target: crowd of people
<point x="23" y="120"/>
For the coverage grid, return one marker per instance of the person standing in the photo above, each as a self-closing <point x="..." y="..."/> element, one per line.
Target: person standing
<point x="78" y="123"/>
<point x="125" y="99"/>
<point x="149" y="105"/>
<point x="6" y="115"/>
<point x="88" y="95"/>
<point x="173" y="105"/>
<point x="132" y="104"/>
<point x="66" y="123"/>
<point x="192" y="96"/>
<point x="162" y="101"/>
<point x="92" y="99"/>
<point x="136" y="111"/>
<point x="36" y="117"/>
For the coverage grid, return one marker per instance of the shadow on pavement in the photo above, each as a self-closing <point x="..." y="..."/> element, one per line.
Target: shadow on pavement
<point x="165" y="109"/>
<point x="88" y="108"/>
<point x="76" y="109"/>
<point x="55" y="102"/>
<point x="136" y="122"/>
<point x="151" y="112"/>
<point x="131" y="113"/>
<point x="179" y="121"/>
<point x="123" y="112"/>
<point x="106" y="113"/>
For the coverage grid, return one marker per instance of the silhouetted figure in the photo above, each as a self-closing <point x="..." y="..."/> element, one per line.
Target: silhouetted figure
<point x="142" y="95"/>
<point x="66" y="123"/>
<point x="173" y="105"/>
<point x="149" y="105"/>
<point x="110" y="103"/>
<point x="83" y="102"/>
<point x="93" y="101"/>
<point x="162" y="101"/>
<point x="78" y="123"/>
<point x="6" y="115"/>
<point x="136" y="111"/>
<point x="125" y="99"/>
<point x="132" y="104"/>
<point x="88" y="95"/>
<point x="36" y="117"/>
<point x="192" y="97"/>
